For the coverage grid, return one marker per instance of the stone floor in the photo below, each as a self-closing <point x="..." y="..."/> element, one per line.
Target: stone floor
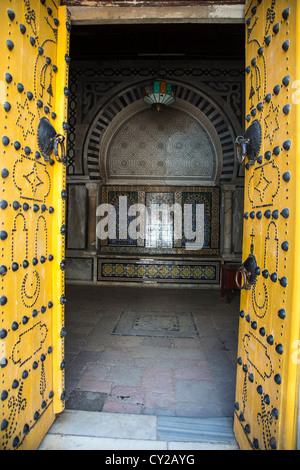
<point x="150" y="375"/>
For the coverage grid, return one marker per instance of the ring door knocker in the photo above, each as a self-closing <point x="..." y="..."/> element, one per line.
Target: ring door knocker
<point x="59" y="140"/>
<point x="248" y="271"/>
<point x="249" y="144"/>
<point x="49" y="141"/>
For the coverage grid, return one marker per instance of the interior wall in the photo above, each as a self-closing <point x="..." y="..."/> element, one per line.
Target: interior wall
<point x="99" y="95"/>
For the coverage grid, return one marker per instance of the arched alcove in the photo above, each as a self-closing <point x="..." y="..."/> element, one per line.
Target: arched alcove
<point x="182" y="155"/>
<point x="191" y="101"/>
<point x="177" y="145"/>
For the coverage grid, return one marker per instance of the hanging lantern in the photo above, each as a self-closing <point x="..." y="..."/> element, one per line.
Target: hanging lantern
<point x="159" y="93"/>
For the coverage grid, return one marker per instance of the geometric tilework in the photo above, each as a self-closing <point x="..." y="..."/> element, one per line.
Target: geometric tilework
<point x="170" y="271"/>
<point x="165" y="242"/>
<point x="195" y="98"/>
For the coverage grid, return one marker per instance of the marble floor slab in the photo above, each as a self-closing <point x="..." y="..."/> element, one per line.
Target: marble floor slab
<point x="81" y="430"/>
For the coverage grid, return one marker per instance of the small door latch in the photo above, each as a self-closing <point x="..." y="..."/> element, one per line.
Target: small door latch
<point x="248" y="271"/>
<point x="249" y="144"/>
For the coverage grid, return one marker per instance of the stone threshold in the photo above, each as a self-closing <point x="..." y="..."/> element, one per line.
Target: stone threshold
<point x="83" y="430"/>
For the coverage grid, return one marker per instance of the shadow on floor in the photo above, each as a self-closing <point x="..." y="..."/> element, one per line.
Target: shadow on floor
<point x="175" y="354"/>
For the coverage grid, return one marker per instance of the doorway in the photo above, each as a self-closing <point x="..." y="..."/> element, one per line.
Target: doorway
<point x="148" y="368"/>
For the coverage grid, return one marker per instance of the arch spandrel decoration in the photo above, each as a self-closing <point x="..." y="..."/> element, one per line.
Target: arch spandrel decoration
<point x="192" y="98"/>
<point x="177" y="145"/>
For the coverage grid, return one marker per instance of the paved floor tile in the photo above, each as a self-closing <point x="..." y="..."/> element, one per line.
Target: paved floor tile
<point x="129" y="394"/>
<point x="183" y="343"/>
<point x="158" y="380"/>
<point x="152" y="375"/>
<point x="85" y="357"/>
<point x="115" y="405"/>
<point x="112" y="357"/>
<point x="126" y="342"/>
<point x="162" y="362"/>
<point x="198" y="409"/>
<point x="160" y="400"/>
<point x="202" y="391"/>
<point x="158" y="342"/>
<point x="198" y="372"/>
<point x="125" y="375"/>
<point x="95" y="372"/>
<point x="85" y="400"/>
<point x="93" y="385"/>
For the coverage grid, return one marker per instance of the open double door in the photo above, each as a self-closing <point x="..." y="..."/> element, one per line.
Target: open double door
<point x="33" y="104"/>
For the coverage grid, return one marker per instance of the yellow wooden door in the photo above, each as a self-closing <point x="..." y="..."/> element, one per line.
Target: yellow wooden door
<point x="267" y="391"/>
<point x="34" y="36"/>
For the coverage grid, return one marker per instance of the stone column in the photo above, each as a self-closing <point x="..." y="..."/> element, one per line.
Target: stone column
<point x="227" y="227"/>
<point x="93" y="189"/>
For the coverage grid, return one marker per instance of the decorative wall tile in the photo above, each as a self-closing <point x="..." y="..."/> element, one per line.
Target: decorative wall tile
<point x="169" y="144"/>
<point x="159" y="239"/>
<point x="113" y="199"/>
<point x="159" y="229"/>
<point x="167" y="271"/>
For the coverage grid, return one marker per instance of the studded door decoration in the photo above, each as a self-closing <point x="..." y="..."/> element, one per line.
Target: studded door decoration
<point x="34" y="37"/>
<point x="266" y="407"/>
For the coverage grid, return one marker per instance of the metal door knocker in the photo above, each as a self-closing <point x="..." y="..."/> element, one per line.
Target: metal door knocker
<point x="248" y="273"/>
<point x="49" y="141"/>
<point x="249" y="144"/>
<point x="59" y="140"/>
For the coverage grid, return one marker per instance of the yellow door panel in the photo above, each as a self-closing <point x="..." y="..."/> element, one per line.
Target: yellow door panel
<point x="266" y="407"/>
<point x="33" y="76"/>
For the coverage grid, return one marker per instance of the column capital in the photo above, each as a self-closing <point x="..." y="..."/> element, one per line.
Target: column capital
<point x="92" y="186"/>
<point x="228" y="188"/>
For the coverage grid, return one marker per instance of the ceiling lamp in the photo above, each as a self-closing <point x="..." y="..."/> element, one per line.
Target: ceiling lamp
<point x="159" y="93"/>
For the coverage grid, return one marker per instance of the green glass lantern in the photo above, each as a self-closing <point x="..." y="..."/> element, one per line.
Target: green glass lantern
<point x="159" y="93"/>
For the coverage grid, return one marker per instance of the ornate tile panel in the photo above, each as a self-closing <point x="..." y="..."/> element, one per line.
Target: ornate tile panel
<point x="167" y="271"/>
<point x="163" y="230"/>
<point x="131" y="198"/>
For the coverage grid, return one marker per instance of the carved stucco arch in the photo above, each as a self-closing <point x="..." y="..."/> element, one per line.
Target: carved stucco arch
<point x="189" y="99"/>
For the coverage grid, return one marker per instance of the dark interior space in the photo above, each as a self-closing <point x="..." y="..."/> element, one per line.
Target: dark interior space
<point x="194" y="42"/>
